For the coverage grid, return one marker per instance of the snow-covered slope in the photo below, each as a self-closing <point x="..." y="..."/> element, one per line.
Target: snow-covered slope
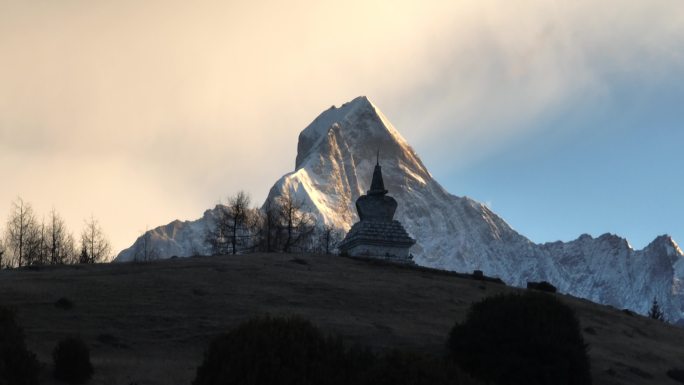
<point x="178" y="238"/>
<point x="335" y="160"/>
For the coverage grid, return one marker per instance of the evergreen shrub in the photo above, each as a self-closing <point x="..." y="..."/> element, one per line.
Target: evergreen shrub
<point x="516" y="339"/>
<point x="291" y="351"/>
<point x="18" y="366"/>
<point x="72" y="361"/>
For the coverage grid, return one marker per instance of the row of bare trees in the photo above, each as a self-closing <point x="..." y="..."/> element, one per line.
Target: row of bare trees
<point x="281" y="225"/>
<point x="27" y="241"/>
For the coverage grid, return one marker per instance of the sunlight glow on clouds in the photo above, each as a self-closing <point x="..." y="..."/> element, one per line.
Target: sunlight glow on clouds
<point x="143" y="112"/>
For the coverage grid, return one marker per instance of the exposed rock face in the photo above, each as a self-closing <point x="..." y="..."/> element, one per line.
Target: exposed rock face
<point x="377" y="234"/>
<point x="336" y="153"/>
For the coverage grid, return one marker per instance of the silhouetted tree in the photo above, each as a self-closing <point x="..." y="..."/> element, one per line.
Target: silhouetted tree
<point x="40" y="246"/>
<point x="233" y="226"/>
<point x="656" y="312"/>
<point x="94" y="242"/>
<point x="83" y="257"/>
<point x="21" y="232"/>
<point x="329" y="237"/>
<point x="269" y="231"/>
<point x="2" y="253"/>
<point x="241" y="218"/>
<point x="297" y="224"/>
<point x="60" y="243"/>
<point x="217" y="233"/>
<point x="145" y="249"/>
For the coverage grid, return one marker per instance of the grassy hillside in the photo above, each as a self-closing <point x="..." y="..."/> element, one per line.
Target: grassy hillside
<point x="149" y="323"/>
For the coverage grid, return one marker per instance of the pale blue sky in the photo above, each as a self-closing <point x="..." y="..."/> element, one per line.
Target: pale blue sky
<point x="614" y="166"/>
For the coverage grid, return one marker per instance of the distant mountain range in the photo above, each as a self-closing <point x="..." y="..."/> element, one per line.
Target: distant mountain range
<point x="336" y="154"/>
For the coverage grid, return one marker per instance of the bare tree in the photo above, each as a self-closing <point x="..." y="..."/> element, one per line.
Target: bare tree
<point x="68" y="254"/>
<point x="21" y="232"/>
<point x="145" y="249"/>
<point x="240" y="217"/>
<point x="39" y="247"/>
<point x="2" y="254"/>
<point x="217" y="233"/>
<point x="95" y="246"/>
<point x="60" y="243"/>
<point x="298" y="225"/>
<point x="83" y="257"/>
<point x="329" y="237"/>
<point x="233" y="226"/>
<point x="269" y="233"/>
<point x="31" y="245"/>
<point x="282" y="225"/>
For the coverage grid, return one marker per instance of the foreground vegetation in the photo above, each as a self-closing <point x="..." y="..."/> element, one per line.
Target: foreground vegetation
<point x="18" y="366"/>
<point x="151" y="323"/>
<point x="522" y="339"/>
<point x="284" y="351"/>
<point x="513" y="339"/>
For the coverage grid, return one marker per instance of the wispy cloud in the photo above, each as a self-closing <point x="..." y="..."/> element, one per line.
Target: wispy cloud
<point x="143" y="112"/>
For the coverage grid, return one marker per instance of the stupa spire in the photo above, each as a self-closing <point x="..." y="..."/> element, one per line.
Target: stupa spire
<point x="377" y="184"/>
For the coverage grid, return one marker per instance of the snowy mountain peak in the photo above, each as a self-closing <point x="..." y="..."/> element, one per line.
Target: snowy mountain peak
<point x="665" y="245"/>
<point x="318" y="129"/>
<point x="336" y="156"/>
<point x="665" y="240"/>
<point x="615" y="241"/>
<point x="335" y="160"/>
<point x="358" y="123"/>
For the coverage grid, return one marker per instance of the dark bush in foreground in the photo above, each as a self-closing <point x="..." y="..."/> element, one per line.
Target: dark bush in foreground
<point x="541" y="286"/>
<point x="676" y="374"/>
<point x="278" y="351"/>
<point x="407" y="368"/>
<point x="64" y="303"/>
<point x="272" y="351"/>
<point x="18" y="366"/>
<point x="521" y="339"/>
<point x="72" y="361"/>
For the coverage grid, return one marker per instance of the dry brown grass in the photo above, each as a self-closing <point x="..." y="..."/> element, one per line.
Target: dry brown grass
<point x="149" y="323"/>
